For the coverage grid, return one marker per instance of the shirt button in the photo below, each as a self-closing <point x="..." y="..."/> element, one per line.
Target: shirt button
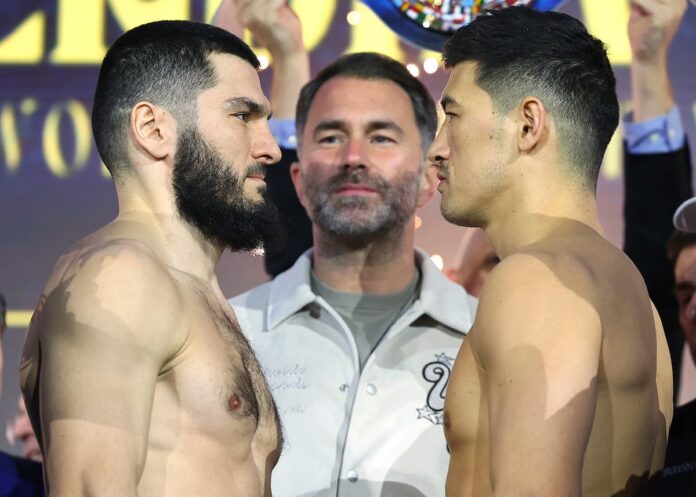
<point x="352" y="475"/>
<point x="371" y="388"/>
<point x="343" y="387"/>
<point x="292" y="139"/>
<point x="655" y="137"/>
<point x="314" y="310"/>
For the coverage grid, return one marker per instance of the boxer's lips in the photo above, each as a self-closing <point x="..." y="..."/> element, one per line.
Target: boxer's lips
<point x="354" y="189"/>
<point x="257" y="177"/>
<point x="442" y="181"/>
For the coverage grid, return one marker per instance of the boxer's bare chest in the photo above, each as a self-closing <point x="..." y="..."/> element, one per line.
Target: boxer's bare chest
<point x="216" y="381"/>
<point x="466" y="427"/>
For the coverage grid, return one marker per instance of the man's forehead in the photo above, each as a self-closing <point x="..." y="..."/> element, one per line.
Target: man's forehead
<point x="230" y="96"/>
<point x="362" y="100"/>
<point x="460" y="82"/>
<point x="232" y="72"/>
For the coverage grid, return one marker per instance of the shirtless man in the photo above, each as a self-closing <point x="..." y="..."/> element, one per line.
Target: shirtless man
<point x="563" y="387"/>
<point x="136" y="376"/>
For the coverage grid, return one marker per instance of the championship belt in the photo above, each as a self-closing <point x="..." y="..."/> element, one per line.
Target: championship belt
<point x="429" y="24"/>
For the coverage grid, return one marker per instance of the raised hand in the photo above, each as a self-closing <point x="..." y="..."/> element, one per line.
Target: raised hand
<point x="652" y="26"/>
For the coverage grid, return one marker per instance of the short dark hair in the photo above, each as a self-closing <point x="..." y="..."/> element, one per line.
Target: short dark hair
<point x="678" y="242"/>
<point x="373" y="66"/>
<point x="165" y="63"/>
<point x="520" y="51"/>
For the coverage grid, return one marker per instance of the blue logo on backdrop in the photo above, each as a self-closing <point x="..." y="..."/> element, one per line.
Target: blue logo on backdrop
<point x="428" y="24"/>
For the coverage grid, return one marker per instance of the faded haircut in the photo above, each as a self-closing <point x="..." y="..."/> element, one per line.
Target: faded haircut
<point x="522" y="52"/>
<point x="165" y="63"/>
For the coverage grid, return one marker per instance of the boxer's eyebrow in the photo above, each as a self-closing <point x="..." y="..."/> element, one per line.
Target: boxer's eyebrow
<point x="447" y="100"/>
<point x="248" y="105"/>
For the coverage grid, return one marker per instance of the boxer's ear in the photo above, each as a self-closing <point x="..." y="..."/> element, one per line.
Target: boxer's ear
<point x="153" y="130"/>
<point x="533" y="121"/>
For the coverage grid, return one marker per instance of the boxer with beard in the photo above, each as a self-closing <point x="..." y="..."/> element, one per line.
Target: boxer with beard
<point x="136" y="376"/>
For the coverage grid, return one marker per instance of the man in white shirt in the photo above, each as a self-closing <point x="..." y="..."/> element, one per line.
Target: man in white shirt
<point x="358" y="337"/>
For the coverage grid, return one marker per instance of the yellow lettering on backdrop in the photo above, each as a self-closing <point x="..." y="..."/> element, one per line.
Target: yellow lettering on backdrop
<point x="210" y="8"/>
<point x="316" y="18"/>
<point x="51" y="138"/>
<point x="79" y="32"/>
<point x="371" y="34"/>
<point x="17" y="318"/>
<point x="10" y="139"/>
<point x="25" y="44"/>
<point x="608" y="22"/>
<point x="81" y="25"/>
<point x="132" y="13"/>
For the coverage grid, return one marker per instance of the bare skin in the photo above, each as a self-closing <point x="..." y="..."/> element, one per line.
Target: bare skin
<point x="276" y="27"/>
<point x="137" y="378"/>
<point x="475" y="260"/>
<point x="563" y="386"/>
<point x="651" y="28"/>
<point x="364" y="125"/>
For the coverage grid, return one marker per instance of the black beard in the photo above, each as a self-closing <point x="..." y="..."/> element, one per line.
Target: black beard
<point x="210" y="196"/>
<point x="356" y="218"/>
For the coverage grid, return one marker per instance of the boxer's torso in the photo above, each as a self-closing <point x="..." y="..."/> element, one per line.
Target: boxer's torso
<point x="213" y="426"/>
<point x="633" y="381"/>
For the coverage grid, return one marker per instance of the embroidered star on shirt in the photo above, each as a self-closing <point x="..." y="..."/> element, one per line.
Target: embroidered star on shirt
<point x="444" y="359"/>
<point x="426" y="413"/>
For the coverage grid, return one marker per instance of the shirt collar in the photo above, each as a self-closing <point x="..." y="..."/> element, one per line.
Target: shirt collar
<point x="290" y="291"/>
<point x="440" y="298"/>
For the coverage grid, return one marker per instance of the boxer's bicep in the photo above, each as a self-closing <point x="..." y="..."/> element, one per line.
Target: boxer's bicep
<point x="101" y="351"/>
<point x="539" y="345"/>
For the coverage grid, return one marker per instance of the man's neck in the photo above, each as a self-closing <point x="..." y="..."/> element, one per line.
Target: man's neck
<point x="179" y="244"/>
<point x="524" y="221"/>
<point x="383" y="265"/>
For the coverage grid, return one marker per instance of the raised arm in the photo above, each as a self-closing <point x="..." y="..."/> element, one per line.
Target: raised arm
<point x="105" y="334"/>
<point x="657" y="175"/>
<point x="652" y="26"/>
<point x="276" y="28"/>
<point x="538" y="342"/>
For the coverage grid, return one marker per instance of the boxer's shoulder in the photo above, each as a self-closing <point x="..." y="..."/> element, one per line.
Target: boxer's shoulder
<point x="116" y="287"/>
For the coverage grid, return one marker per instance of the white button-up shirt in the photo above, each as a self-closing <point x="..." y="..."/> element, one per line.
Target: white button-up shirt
<point x="351" y="434"/>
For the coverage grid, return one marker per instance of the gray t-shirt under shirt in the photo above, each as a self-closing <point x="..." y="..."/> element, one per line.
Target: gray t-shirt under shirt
<point x="367" y="315"/>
